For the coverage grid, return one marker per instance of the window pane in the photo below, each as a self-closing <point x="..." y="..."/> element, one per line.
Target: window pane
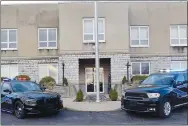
<point x="101" y="36"/>
<point x="135" y="42"/>
<point x="88" y="26"/>
<point x="42" y="71"/>
<point x="101" y="26"/>
<point x="143" y="33"/>
<point x="174" y="41"/>
<point x="53" y="71"/>
<point x="88" y="37"/>
<point x="42" y="44"/>
<point x="174" y="32"/>
<point x="183" y="41"/>
<point x="135" y="68"/>
<point x="143" y="42"/>
<point x="184" y="65"/>
<point x="175" y="66"/>
<point x="134" y="33"/>
<point x="13" y="71"/>
<point x="4" y="36"/>
<point x="4" y="71"/>
<point x="52" y="44"/>
<point x="12" y="45"/>
<point x="52" y="34"/>
<point x="12" y="35"/>
<point x="183" y="31"/>
<point x="43" y="35"/>
<point x="145" y="68"/>
<point x="4" y="45"/>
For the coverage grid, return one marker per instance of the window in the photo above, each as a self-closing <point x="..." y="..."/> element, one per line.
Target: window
<point x="8" y="39"/>
<point x="48" y="70"/>
<point x="47" y="38"/>
<point x="88" y="30"/>
<point x="178" y="35"/>
<point x="139" y="36"/>
<point x="140" y="68"/>
<point x="9" y="71"/>
<point x="179" y="65"/>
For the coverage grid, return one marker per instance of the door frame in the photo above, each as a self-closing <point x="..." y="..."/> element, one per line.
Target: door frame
<point x="93" y="68"/>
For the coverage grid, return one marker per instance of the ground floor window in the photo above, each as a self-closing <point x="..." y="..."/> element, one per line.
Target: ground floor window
<point x="48" y="70"/>
<point x="140" y="68"/>
<point x="179" y="65"/>
<point x="9" y="71"/>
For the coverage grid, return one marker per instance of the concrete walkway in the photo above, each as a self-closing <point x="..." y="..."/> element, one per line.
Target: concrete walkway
<point x="91" y="106"/>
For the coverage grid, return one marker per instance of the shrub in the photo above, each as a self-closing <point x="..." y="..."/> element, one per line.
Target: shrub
<point x="113" y="95"/>
<point x="138" y="78"/>
<point x="124" y="80"/>
<point x="23" y="76"/>
<point x="47" y="82"/>
<point x="79" y="96"/>
<point x="65" y="81"/>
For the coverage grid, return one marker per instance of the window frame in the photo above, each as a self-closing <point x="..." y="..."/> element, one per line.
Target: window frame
<point x="180" y="63"/>
<point x="92" y="19"/>
<point x="139" y="26"/>
<point x="7" y="30"/>
<point x="178" y="25"/>
<point x="140" y="68"/>
<point x="47" y="39"/>
<point x="46" y="64"/>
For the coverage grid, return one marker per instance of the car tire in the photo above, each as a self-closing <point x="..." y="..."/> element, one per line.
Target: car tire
<point x="129" y="112"/>
<point x="19" y="110"/>
<point x="165" y="109"/>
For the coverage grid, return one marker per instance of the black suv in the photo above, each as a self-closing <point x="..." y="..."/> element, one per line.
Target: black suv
<point x="159" y="93"/>
<point x="26" y="97"/>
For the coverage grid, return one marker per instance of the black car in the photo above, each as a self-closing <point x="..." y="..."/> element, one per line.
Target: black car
<point x="159" y="93"/>
<point x="26" y="97"/>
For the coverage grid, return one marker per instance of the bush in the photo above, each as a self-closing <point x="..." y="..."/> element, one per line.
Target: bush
<point x="79" y="96"/>
<point x="124" y="80"/>
<point x="23" y="76"/>
<point x="138" y="78"/>
<point x="113" y="95"/>
<point x="47" y="82"/>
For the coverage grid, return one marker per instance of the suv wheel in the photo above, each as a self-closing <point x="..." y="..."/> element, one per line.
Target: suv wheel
<point x="165" y="109"/>
<point x="19" y="110"/>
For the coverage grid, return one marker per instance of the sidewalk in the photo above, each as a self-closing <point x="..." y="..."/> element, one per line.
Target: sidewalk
<point x="91" y="106"/>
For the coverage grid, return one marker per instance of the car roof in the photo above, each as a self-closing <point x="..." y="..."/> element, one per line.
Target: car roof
<point x="171" y="73"/>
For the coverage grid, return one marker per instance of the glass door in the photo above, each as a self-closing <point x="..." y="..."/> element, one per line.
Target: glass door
<point x="91" y="80"/>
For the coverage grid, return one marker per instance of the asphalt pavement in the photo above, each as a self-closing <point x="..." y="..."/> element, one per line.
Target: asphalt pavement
<point x="178" y="117"/>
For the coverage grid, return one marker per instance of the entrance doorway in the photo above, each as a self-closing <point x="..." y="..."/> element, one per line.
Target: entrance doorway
<point x="90" y="80"/>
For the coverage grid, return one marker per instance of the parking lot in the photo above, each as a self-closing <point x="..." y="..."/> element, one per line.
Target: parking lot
<point x="179" y="117"/>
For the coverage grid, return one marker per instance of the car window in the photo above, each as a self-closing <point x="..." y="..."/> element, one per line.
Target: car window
<point x="6" y="86"/>
<point x="25" y="86"/>
<point x="180" y="78"/>
<point x="185" y="76"/>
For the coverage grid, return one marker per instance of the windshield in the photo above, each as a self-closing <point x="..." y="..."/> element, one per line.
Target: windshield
<point x="25" y="86"/>
<point x="159" y="79"/>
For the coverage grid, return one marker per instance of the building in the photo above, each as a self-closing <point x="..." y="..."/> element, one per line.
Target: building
<point x="149" y="35"/>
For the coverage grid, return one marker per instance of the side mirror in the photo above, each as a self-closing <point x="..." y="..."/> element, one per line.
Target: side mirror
<point x="141" y="81"/>
<point x="7" y="91"/>
<point x="43" y="88"/>
<point x="179" y="83"/>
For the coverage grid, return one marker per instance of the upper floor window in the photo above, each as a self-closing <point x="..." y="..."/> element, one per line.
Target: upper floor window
<point x="8" y="39"/>
<point x="47" y="38"/>
<point x="89" y="30"/>
<point x="178" y="35"/>
<point x="139" y="36"/>
<point x="140" y="68"/>
<point x="179" y="65"/>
